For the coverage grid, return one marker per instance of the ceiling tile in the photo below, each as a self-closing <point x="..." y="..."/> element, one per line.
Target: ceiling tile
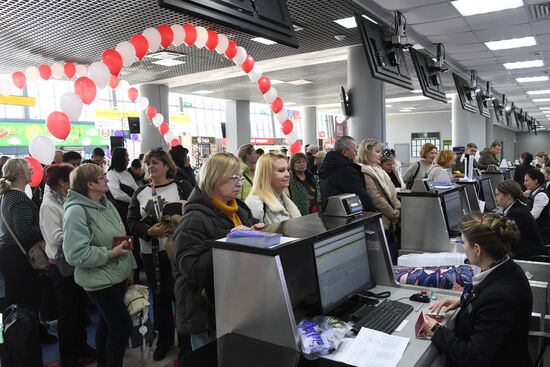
<point x="473" y="55"/>
<point x="428" y="13"/>
<point x="441" y="27"/>
<point x="454" y="38"/>
<point x="465" y="48"/>
<point x="405" y="4"/>
<point x="497" y="19"/>
<point x="504" y="32"/>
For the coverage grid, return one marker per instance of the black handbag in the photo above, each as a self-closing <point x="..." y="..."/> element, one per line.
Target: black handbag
<point x="21" y="338"/>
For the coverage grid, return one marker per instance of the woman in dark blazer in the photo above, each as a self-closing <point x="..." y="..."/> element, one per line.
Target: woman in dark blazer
<point x="492" y="326"/>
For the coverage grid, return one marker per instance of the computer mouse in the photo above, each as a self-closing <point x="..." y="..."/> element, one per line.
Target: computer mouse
<point x="420" y="297"/>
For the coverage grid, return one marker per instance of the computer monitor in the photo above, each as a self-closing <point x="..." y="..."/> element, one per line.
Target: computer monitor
<point x="342" y="267"/>
<point x="488" y="194"/>
<point x="453" y="211"/>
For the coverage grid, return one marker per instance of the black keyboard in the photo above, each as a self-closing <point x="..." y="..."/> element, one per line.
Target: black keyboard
<point x="384" y="317"/>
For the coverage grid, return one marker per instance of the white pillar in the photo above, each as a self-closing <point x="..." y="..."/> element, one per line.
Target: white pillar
<point x="158" y="96"/>
<point x="310" y="126"/>
<point x="237" y="126"/>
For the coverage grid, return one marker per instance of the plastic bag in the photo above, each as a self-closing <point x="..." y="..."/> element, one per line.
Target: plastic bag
<point x="322" y="335"/>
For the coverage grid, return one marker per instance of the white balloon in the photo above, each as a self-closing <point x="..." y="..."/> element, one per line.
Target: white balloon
<point x="86" y="141"/>
<point x="127" y="51"/>
<point x="240" y="56"/>
<point x="202" y="37"/>
<point x="5" y="87"/>
<point x="143" y="103"/>
<point x="179" y="34"/>
<point x="42" y="148"/>
<point x="292" y="137"/>
<point x="71" y="104"/>
<point x="255" y="74"/>
<point x="99" y="73"/>
<point x="57" y="70"/>
<point x="222" y="43"/>
<point x="81" y="70"/>
<point x="169" y="136"/>
<point x="28" y="191"/>
<point x="282" y="115"/>
<point x="153" y="37"/>
<point x="270" y="95"/>
<point x="158" y="119"/>
<point x="122" y="88"/>
<point x="32" y="74"/>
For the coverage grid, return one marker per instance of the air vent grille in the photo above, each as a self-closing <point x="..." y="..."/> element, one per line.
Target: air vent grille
<point x="540" y="11"/>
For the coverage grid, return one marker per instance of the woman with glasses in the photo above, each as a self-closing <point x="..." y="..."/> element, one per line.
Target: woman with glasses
<point x="212" y="210"/>
<point x="304" y="186"/>
<point x="269" y="199"/>
<point x="144" y="221"/>
<point x="102" y="267"/>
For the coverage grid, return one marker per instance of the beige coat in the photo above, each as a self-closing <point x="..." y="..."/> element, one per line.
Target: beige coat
<point x="386" y="204"/>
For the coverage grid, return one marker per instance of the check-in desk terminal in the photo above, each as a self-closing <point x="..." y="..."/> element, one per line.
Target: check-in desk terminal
<point x="479" y="188"/>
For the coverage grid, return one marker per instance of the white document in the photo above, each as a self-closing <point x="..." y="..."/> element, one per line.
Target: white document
<point x="503" y="164"/>
<point x="481" y="206"/>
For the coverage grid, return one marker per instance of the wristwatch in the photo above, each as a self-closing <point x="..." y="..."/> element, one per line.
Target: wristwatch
<point x="435" y="327"/>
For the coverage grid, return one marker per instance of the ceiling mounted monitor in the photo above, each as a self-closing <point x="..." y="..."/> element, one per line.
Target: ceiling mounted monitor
<point x="466" y="95"/>
<point x="499" y="111"/>
<point x="386" y="59"/>
<point x="265" y="18"/>
<point x="483" y="101"/>
<point x="428" y="75"/>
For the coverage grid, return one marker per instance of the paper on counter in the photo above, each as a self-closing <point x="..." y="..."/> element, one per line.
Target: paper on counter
<point x="283" y="240"/>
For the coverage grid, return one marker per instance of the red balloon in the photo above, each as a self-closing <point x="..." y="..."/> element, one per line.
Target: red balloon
<point x="166" y="35"/>
<point x="264" y="84"/>
<point x="248" y="64"/>
<point x="287" y="127"/>
<point x="164" y="128"/>
<point x="231" y="51"/>
<point x="69" y="69"/>
<point x="58" y="124"/>
<point x="212" y="40"/>
<point x="113" y="60"/>
<point x="190" y="34"/>
<point x="151" y="111"/>
<point x="296" y="147"/>
<point x="38" y="171"/>
<point x="113" y="81"/>
<point x="45" y="71"/>
<point x="19" y="79"/>
<point x="277" y="105"/>
<point x="141" y="45"/>
<point x="175" y="142"/>
<point x="85" y="88"/>
<point x="132" y="94"/>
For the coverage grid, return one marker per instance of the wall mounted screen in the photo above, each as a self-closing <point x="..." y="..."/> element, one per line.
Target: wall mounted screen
<point x="499" y="112"/>
<point x="466" y="95"/>
<point x="483" y="103"/>
<point x="428" y="76"/>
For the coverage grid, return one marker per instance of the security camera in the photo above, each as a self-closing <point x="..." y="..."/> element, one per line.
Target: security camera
<point x="340" y="37"/>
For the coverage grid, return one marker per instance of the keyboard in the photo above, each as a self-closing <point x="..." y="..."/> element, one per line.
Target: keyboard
<point x="384" y="317"/>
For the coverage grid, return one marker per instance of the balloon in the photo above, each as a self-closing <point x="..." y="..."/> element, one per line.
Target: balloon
<point x="164" y="128"/>
<point x="248" y="64"/>
<point x="19" y="79"/>
<point x="270" y="95"/>
<point x="85" y="88"/>
<point x="42" y="148"/>
<point x="143" y="103"/>
<point x="99" y="73"/>
<point x="58" y="124"/>
<point x="282" y="115"/>
<point x="57" y="70"/>
<point x="277" y="105"/>
<point x="222" y="43"/>
<point x="264" y="84"/>
<point x="175" y="142"/>
<point x="140" y="44"/>
<point x="45" y="72"/>
<point x="212" y="40"/>
<point x="123" y="87"/>
<point x="292" y="137"/>
<point x="166" y="35"/>
<point x="151" y="111"/>
<point x="296" y="147"/>
<point x="202" y="36"/>
<point x="135" y="137"/>
<point x="255" y="74"/>
<point x="71" y="104"/>
<point x="38" y="171"/>
<point x="69" y="69"/>
<point x="5" y="87"/>
<point x="132" y="94"/>
<point x="190" y="34"/>
<point x="286" y="127"/>
<point x="118" y="133"/>
<point x="153" y="38"/>
<point x="113" y="60"/>
<point x="113" y="81"/>
<point x="158" y="119"/>
<point x="231" y="50"/>
<point x="32" y="73"/>
<point x="179" y="34"/>
<point x="240" y="56"/>
<point x="169" y="136"/>
<point x="127" y="51"/>
<point x="81" y="70"/>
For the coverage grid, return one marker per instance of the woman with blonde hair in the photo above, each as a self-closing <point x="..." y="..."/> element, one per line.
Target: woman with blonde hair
<point x="428" y="152"/>
<point x="445" y="161"/>
<point x="269" y="200"/>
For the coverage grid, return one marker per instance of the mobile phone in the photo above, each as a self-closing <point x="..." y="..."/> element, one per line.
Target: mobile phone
<point x="119" y="239"/>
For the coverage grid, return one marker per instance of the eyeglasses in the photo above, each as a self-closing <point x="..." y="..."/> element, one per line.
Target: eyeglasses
<point x="237" y="179"/>
<point x="101" y="178"/>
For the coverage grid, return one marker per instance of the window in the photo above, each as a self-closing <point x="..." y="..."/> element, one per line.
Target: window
<point x="419" y="139"/>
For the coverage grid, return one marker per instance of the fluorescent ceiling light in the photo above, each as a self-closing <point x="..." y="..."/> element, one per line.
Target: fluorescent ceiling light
<point x="532" y="79"/>
<point x="388" y="105"/>
<point x="511" y="43"/>
<point x="289" y="103"/>
<point x="367" y="18"/>
<point x="541" y="91"/>
<point x="541" y="100"/>
<point x="202" y="91"/>
<point x="544" y="108"/>
<point x="405" y="110"/>
<point x="418" y="46"/>
<point x="408" y="108"/>
<point x="165" y="55"/>
<point x="473" y="7"/>
<point x="524" y="64"/>
<point x="300" y="82"/>
<point x="277" y="81"/>
<point x="406" y="99"/>
<point x="168" y="62"/>
<point x="264" y="41"/>
<point x="346" y="22"/>
<point x="416" y="91"/>
<point x="297" y="28"/>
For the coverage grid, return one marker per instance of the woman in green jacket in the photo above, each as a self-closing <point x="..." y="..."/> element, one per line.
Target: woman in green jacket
<point x="304" y="186"/>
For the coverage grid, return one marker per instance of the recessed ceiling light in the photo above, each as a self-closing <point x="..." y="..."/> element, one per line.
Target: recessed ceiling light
<point x="405" y="110"/>
<point x="416" y="91"/>
<point x="511" y="43"/>
<point x="300" y="82"/>
<point x="418" y="46"/>
<point x="544" y="108"/>
<point x="406" y="99"/>
<point x="165" y="55"/>
<point x="264" y="41"/>
<point x="297" y="28"/>
<point x="523" y="64"/>
<point x="541" y="100"/>
<point x="277" y="81"/>
<point x="531" y="79"/>
<point x="473" y="7"/>
<point x="388" y="106"/>
<point x="289" y="103"/>
<point x="541" y="91"/>
<point x="202" y="91"/>
<point x="168" y="62"/>
<point x="346" y="22"/>
<point x="408" y="108"/>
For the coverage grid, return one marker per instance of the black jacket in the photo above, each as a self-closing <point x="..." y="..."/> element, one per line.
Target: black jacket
<point x="194" y="289"/>
<point x="339" y="175"/>
<point x="311" y="163"/>
<point x="529" y="243"/>
<point x="519" y="174"/>
<point x="492" y="327"/>
<point x="543" y="221"/>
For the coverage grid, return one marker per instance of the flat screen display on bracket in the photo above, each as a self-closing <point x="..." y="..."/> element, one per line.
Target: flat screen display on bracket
<point x="483" y="103"/>
<point x="465" y="94"/>
<point x="428" y="76"/>
<point x="499" y="111"/>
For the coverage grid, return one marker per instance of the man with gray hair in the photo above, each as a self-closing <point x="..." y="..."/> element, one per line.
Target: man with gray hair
<point x="338" y="173"/>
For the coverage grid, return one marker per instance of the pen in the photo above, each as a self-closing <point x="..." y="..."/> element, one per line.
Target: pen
<point x="418" y="307"/>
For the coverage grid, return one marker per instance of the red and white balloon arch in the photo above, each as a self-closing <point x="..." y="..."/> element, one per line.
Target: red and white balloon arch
<point x="101" y="74"/>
